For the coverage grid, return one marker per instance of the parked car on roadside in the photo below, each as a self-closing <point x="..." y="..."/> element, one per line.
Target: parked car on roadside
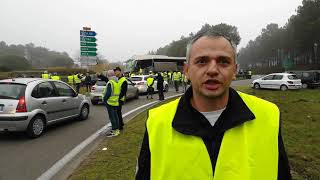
<point x="282" y="81"/>
<point x="97" y="90"/>
<point x="141" y="83"/>
<point x="31" y="104"/>
<point x="309" y="79"/>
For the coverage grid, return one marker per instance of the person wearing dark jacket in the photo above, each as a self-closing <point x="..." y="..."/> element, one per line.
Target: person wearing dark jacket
<point x="160" y="86"/>
<point x="102" y="77"/>
<point x="122" y="96"/>
<point x="87" y="82"/>
<point x="213" y="131"/>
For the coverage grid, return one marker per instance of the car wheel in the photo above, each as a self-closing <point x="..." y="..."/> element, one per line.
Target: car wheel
<point x="84" y="113"/>
<point x="137" y="95"/>
<point x="36" y="126"/>
<point x="166" y="88"/>
<point x="94" y="102"/>
<point x="283" y="87"/>
<point x="257" y="86"/>
<point x="304" y="86"/>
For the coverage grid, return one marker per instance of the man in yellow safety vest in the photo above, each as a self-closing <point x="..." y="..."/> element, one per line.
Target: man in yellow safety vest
<point x="213" y="131"/>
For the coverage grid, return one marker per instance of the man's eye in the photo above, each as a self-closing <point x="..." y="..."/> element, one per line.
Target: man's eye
<point x="223" y="60"/>
<point x="201" y="61"/>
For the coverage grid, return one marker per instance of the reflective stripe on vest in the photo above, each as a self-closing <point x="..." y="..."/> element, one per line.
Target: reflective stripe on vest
<point x="55" y="77"/>
<point x="70" y="79"/>
<point x="114" y="98"/>
<point x="76" y="79"/>
<point x="248" y="151"/>
<point x="120" y="82"/>
<point x="45" y="76"/>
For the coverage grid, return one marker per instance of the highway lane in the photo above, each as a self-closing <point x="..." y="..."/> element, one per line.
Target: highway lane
<point x="23" y="158"/>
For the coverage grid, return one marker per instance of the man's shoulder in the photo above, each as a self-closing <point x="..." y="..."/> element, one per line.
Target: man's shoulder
<point x="172" y="105"/>
<point x="256" y="101"/>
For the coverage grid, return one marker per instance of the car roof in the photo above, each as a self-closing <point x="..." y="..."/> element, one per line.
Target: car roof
<point x="21" y="80"/>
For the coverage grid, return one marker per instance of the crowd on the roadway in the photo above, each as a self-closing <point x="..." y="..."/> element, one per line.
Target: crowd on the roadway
<point x="116" y="88"/>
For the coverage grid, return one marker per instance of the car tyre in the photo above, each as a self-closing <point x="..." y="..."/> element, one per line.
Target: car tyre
<point x="94" y="102"/>
<point x="256" y="85"/>
<point x="304" y="86"/>
<point x="283" y="88"/>
<point x="36" y="126"/>
<point x="137" y="95"/>
<point x="84" y="113"/>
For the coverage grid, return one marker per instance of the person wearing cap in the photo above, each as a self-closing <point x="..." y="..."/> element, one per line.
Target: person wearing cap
<point x="45" y="75"/>
<point x="123" y="84"/>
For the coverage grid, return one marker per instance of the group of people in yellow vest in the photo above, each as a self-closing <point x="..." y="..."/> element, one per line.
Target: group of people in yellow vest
<point x="73" y="79"/>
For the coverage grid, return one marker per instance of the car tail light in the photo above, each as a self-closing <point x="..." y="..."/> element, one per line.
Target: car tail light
<point x="21" y="107"/>
<point x="290" y="82"/>
<point x="93" y="88"/>
<point x="141" y="83"/>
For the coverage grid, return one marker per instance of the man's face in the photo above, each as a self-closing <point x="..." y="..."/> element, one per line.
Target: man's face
<point x="211" y="67"/>
<point x="117" y="73"/>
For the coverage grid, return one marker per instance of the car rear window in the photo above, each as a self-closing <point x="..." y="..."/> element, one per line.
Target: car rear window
<point x="292" y="77"/>
<point x="136" y="78"/>
<point x="101" y="83"/>
<point x="11" y="90"/>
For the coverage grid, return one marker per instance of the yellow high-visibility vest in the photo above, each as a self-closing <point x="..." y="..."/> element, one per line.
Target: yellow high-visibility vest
<point x="45" y="76"/>
<point x="114" y="98"/>
<point x="150" y="81"/>
<point x="76" y="79"/>
<point x="247" y="152"/>
<point x="120" y="82"/>
<point x="176" y="76"/>
<point x="55" y="77"/>
<point x="70" y="79"/>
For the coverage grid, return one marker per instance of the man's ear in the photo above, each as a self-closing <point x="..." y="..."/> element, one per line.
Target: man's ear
<point x="234" y="77"/>
<point x="186" y="70"/>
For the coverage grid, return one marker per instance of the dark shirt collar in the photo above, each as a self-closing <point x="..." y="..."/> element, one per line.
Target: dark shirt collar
<point x="190" y="121"/>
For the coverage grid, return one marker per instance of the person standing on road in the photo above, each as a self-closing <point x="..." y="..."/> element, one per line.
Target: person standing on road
<point x="110" y="97"/>
<point x="77" y="79"/>
<point x="150" y="83"/>
<point x="87" y="82"/>
<point x="160" y="86"/>
<point x="123" y="84"/>
<point x="213" y="131"/>
<point x="176" y="76"/>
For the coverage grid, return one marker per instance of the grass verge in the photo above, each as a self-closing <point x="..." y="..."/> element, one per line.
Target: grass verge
<point x="300" y="114"/>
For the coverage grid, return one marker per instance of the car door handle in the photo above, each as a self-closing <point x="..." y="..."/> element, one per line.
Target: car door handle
<point x="44" y="102"/>
<point x="64" y="100"/>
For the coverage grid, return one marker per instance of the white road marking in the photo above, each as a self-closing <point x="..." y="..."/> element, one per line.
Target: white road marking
<point x="68" y="157"/>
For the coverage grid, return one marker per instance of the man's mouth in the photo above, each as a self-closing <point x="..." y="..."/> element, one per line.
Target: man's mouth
<point x="212" y="84"/>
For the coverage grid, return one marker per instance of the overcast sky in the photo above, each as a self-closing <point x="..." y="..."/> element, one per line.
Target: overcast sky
<point x="132" y="27"/>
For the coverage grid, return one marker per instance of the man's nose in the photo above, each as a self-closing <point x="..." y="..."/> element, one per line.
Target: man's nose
<point x="212" y="68"/>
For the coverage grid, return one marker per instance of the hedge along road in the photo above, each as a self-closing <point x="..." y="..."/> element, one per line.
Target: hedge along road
<point x="23" y="158"/>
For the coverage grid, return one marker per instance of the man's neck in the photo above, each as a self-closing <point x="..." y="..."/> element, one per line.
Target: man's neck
<point x="205" y="104"/>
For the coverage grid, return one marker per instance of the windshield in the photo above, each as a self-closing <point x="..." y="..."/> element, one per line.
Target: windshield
<point x="292" y="77"/>
<point x="11" y="90"/>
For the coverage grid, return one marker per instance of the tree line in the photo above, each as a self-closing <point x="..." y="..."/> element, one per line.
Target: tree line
<point x="24" y="57"/>
<point x="293" y="46"/>
<point x="178" y="48"/>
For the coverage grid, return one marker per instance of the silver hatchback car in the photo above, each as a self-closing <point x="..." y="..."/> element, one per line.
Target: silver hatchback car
<point x="30" y="104"/>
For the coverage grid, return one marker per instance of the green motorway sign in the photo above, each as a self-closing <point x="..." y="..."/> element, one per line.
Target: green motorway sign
<point x="88" y="39"/>
<point x="88" y="44"/>
<point x="88" y="49"/>
<point x="88" y="53"/>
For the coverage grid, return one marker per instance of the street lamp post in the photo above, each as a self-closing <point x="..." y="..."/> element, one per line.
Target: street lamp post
<point x="315" y="47"/>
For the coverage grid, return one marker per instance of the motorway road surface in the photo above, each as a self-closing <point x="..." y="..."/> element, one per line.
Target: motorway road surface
<point x="27" y="159"/>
